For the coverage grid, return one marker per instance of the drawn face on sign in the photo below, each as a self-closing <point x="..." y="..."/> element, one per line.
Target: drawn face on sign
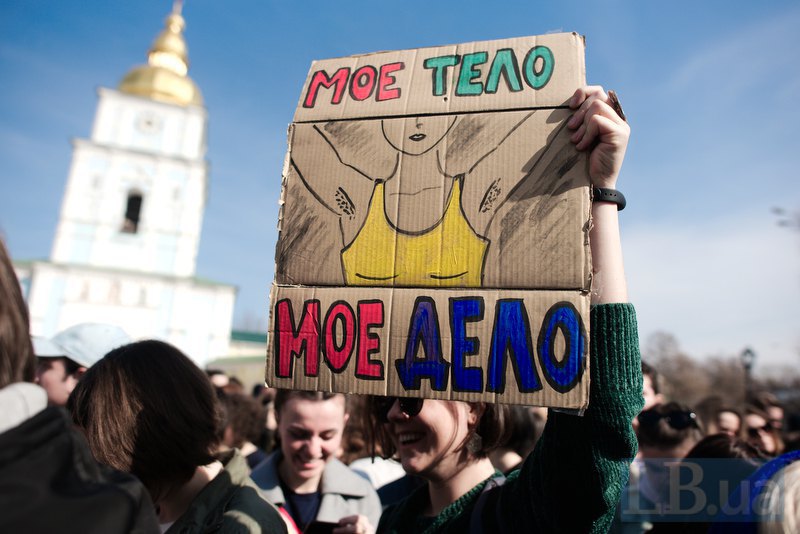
<point x="416" y="135"/>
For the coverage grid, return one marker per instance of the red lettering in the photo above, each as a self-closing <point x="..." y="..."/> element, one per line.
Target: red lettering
<point x="363" y="83"/>
<point x="320" y="78"/>
<point x="370" y="314"/>
<point x="291" y="341"/>
<point x="337" y="357"/>
<point x="385" y="92"/>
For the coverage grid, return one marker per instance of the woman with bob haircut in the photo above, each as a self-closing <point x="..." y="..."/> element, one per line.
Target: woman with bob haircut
<point x="146" y="409"/>
<point x="572" y="480"/>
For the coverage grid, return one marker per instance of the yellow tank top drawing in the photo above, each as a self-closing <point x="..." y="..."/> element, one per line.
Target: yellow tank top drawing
<point x="450" y="254"/>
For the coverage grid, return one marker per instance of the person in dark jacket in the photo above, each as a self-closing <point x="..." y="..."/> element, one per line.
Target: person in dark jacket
<point x="49" y="481"/>
<point x="147" y="409"/>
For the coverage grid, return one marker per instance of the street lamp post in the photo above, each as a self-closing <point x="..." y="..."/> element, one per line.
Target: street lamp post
<point x="748" y="358"/>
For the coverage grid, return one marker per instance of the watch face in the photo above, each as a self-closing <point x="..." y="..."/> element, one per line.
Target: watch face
<point x="148" y="122"/>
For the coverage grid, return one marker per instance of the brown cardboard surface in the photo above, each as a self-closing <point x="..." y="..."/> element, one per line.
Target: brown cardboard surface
<point x="462" y="344"/>
<point x="447" y="79"/>
<point x="419" y="178"/>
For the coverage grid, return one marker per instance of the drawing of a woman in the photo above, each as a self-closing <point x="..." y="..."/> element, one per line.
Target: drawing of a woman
<point x="414" y="209"/>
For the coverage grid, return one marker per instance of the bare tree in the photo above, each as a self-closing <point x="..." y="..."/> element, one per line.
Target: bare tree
<point x="684" y="380"/>
<point x="790" y="220"/>
<point x="726" y="379"/>
<point x="787" y="219"/>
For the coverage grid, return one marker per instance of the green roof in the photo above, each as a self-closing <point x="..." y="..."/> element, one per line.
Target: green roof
<point x="249" y="337"/>
<point x="237" y="360"/>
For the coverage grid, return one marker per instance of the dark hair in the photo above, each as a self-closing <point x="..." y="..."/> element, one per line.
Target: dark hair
<point x="282" y="396"/>
<point x="17" y="362"/>
<point x="147" y="409"/>
<point x="492" y="429"/>
<point x="238" y="383"/>
<point x="725" y="446"/>
<point x="726" y="408"/>
<point x="752" y="409"/>
<point x="355" y="437"/>
<point x="661" y="433"/>
<point x="523" y="430"/>
<point x="285" y="395"/>
<point x="650" y="371"/>
<point x="719" y="459"/>
<point x="245" y="416"/>
<point x="70" y="366"/>
<point x="765" y="400"/>
<point x="706" y="409"/>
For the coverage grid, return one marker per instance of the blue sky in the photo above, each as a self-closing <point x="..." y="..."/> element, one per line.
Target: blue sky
<point x="710" y="89"/>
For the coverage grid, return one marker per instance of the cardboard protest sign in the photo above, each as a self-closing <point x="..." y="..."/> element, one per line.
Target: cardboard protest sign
<point x="433" y="236"/>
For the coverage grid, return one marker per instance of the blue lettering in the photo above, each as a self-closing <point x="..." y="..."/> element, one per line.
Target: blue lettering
<point x="423" y="330"/>
<point x="511" y="335"/>
<point x="462" y="311"/>
<point x="562" y="375"/>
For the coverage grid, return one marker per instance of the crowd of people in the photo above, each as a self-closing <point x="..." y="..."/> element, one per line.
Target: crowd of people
<point x="715" y="453"/>
<point x="100" y="433"/>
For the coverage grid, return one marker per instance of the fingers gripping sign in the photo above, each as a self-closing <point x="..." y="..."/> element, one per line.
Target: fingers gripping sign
<point x="601" y="129"/>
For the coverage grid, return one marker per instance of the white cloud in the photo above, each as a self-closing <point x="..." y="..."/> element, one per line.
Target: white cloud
<point x="719" y="287"/>
<point x="735" y="68"/>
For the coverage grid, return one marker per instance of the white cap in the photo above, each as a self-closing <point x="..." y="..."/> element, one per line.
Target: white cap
<point x="44" y="348"/>
<point x="87" y="343"/>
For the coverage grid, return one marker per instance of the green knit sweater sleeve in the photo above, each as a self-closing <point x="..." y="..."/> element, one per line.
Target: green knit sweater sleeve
<point x="573" y="479"/>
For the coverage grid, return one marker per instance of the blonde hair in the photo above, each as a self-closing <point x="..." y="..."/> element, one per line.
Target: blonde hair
<point x="780" y="502"/>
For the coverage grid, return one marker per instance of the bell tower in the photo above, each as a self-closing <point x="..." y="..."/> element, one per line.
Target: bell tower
<point x="136" y="190"/>
<point x="126" y="243"/>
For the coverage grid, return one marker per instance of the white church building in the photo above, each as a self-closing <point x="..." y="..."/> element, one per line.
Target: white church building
<point x="126" y="244"/>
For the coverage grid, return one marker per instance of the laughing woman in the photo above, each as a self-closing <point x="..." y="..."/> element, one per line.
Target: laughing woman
<point x="304" y="478"/>
<point x="572" y="480"/>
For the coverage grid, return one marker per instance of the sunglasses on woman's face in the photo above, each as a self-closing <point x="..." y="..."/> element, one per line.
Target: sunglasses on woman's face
<point x="755" y="431"/>
<point x="409" y="406"/>
<point x="677" y="420"/>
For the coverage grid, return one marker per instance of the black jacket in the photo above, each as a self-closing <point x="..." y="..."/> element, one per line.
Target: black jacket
<point x="49" y="482"/>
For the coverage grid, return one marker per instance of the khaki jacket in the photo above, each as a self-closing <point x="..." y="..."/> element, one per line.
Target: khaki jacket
<point x="344" y="492"/>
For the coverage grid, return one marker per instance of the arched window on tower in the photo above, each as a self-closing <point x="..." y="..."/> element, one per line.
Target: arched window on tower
<point x="133" y="210"/>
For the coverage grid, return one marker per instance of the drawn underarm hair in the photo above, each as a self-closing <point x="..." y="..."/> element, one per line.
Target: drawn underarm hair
<point x="343" y="202"/>
<point x="491" y="195"/>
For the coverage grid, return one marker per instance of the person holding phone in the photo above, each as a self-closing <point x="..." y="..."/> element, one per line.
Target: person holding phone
<point x="303" y="477"/>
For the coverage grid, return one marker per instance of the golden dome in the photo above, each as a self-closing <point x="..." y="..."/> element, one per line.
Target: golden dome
<point x="165" y="75"/>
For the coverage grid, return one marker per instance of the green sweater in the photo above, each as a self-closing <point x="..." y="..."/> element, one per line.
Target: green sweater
<point x="573" y="479"/>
